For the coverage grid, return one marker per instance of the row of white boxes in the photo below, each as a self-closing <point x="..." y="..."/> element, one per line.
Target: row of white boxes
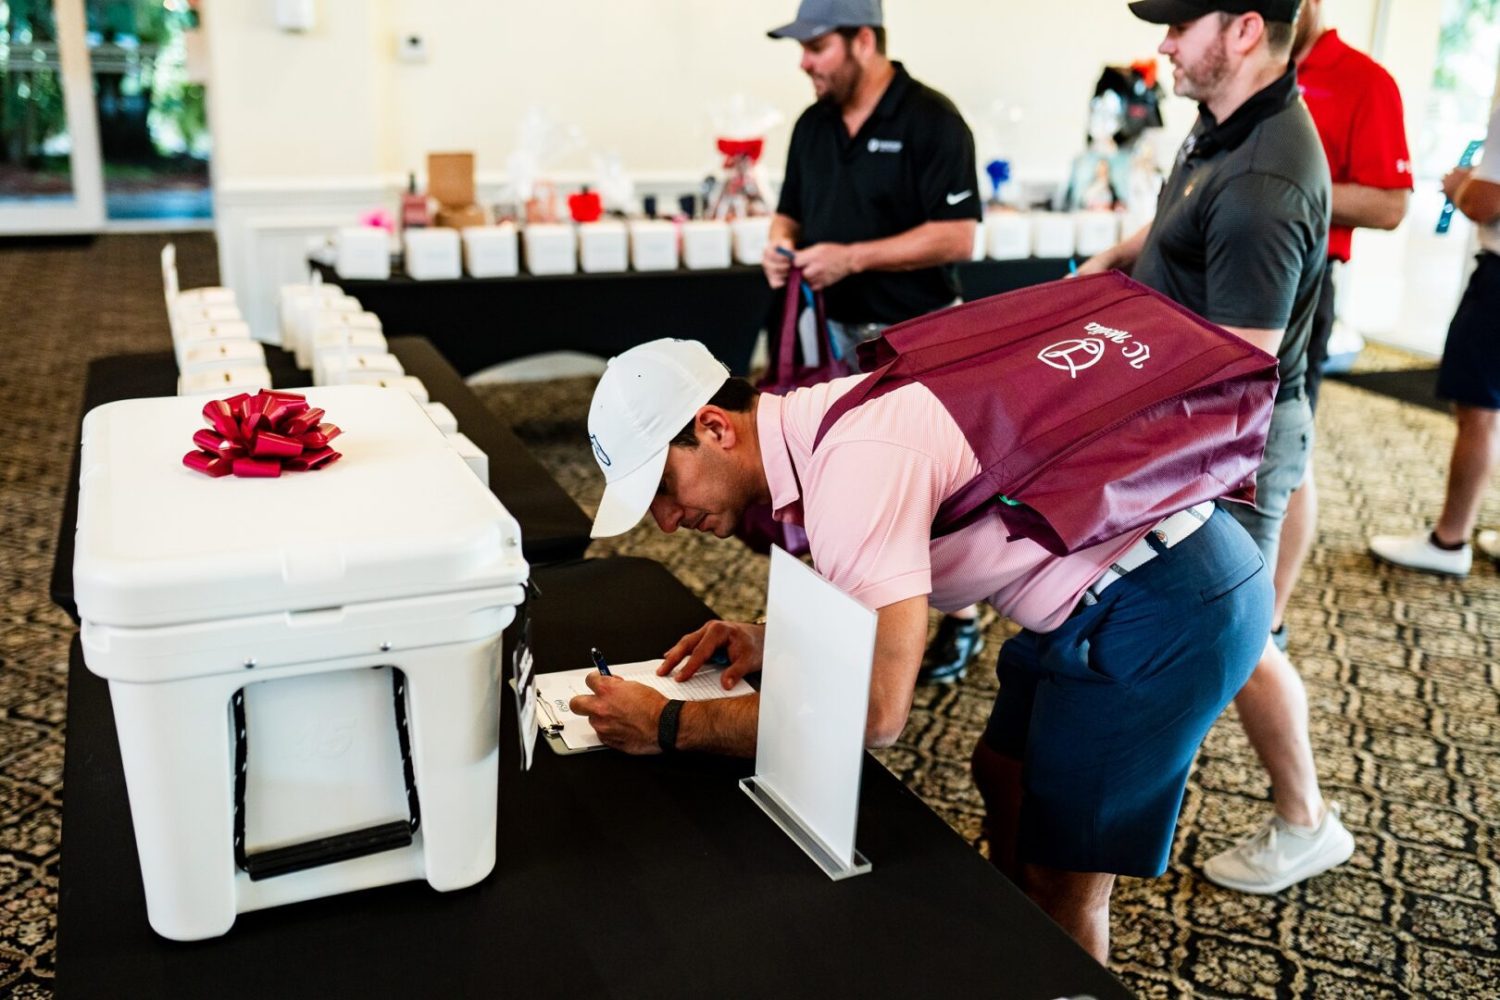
<point x="607" y="246"/>
<point x="330" y="333"/>
<point x="1010" y="235"/>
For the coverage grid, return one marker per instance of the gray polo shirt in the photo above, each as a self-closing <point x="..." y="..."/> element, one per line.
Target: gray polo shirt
<point x="1241" y="231"/>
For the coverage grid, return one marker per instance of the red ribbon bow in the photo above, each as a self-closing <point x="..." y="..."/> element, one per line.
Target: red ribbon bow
<point x="256" y="437"/>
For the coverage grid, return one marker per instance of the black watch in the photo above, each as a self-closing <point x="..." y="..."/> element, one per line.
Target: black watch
<point x="666" y="726"/>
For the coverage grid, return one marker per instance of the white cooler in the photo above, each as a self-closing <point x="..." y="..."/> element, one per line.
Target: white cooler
<point x="304" y="670"/>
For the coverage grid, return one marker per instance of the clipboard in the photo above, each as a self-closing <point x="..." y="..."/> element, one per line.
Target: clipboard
<point x="552" y="722"/>
<point x="550" y="730"/>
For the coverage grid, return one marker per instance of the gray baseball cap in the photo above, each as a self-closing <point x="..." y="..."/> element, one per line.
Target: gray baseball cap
<point x="819" y="17"/>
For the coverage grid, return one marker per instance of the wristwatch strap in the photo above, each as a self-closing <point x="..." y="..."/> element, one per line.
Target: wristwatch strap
<point x="666" y="726"/>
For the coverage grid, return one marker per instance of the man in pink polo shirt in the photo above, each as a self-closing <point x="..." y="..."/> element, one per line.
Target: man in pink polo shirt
<point x="1129" y="650"/>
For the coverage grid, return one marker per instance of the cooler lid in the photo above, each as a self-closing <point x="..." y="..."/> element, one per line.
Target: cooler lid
<point x="399" y="515"/>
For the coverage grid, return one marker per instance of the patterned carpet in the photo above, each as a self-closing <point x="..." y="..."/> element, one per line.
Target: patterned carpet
<point x="1403" y="672"/>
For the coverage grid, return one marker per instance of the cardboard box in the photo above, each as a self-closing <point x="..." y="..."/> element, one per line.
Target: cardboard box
<point x="451" y="217"/>
<point x="450" y="178"/>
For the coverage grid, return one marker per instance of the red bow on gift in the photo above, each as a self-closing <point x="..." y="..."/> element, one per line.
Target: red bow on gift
<point x="258" y="436"/>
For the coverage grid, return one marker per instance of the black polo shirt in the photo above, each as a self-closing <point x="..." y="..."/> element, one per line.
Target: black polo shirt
<point x="1241" y="229"/>
<point x="912" y="162"/>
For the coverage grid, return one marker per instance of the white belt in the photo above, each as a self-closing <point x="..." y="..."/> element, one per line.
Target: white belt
<point x="1168" y="533"/>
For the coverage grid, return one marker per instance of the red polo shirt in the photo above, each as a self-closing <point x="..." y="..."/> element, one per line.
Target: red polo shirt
<point x="1357" y="109"/>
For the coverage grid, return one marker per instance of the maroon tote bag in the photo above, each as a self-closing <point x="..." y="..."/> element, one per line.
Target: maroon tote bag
<point x="758" y="529"/>
<point x="1094" y="405"/>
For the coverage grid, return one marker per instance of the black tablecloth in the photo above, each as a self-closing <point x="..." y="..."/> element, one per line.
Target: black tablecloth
<point x="617" y="877"/>
<point x="553" y="528"/>
<point x="478" y="322"/>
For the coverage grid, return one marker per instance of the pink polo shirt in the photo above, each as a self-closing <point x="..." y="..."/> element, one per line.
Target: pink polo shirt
<point x="868" y="495"/>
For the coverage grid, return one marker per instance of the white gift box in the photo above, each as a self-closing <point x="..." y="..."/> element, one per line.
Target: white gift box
<point x="749" y="236"/>
<point x="476" y="459"/>
<point x="433" y="253"/>
<point x="321" y="635"/>
<point x="1095" y="232"/>
<point x="550" y="249"/>
<point x="361" y="339"/>
<point x="198" y="334"/>
<point x="308" y="316"/>
<point x="335" y="365"/>
<point x="442" y="417"/>
<point x="362" y="252"/>
<point x="193" y="315"/>
<point x="409" y="384"/>
<point x="653" y="245"/>
<point x="603" y="247"/>
<point x="1009" y="235"/>
<point x="705" y="244"/>
<point x="293" y="300"/>
<point x="221" y="354"/>
<point x="1053" y="234"/>
<point x="211" y="295"/>
<point x="344" y="312"/>
<point x="224" y="381"/>
<point x="491" y="251"/>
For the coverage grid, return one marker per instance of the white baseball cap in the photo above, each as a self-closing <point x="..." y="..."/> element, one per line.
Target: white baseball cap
<point x="646" y="396"/>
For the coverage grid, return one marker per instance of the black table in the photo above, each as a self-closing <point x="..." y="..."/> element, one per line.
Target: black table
<point x="553" y="527"/>
<point x="617" y="876"/>
<point x="478" y="322"/>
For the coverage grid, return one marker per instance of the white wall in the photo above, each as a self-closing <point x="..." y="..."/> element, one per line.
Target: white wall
<point x="311" y="127"/>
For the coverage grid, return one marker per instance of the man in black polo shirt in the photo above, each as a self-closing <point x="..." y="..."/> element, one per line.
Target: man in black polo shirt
<point x="879" y="202"/>
<point x="1241" y="237"/>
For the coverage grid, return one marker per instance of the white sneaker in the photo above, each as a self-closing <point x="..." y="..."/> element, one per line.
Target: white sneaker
<point x="1418" y="552"/>
<point x="1488" y="542"/>
<point x="1279" y="854"/>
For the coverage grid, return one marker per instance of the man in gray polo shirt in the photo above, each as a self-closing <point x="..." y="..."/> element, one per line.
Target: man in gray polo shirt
<point x="1241" y="237"/>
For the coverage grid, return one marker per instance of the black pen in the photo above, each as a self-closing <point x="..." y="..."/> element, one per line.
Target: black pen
<point x="599" y="663"/>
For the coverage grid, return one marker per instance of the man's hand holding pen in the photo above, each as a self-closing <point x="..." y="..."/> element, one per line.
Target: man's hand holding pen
<point x="622" y="712"/>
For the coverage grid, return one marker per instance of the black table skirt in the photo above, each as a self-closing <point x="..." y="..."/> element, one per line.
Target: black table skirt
<point x="553" y="527"/>
<point x="478" y="322"/>
<point x="617" y="876"/>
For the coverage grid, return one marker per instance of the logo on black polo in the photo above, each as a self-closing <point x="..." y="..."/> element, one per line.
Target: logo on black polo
<point x="884" y="146"/>
<point x="599" y="452"/>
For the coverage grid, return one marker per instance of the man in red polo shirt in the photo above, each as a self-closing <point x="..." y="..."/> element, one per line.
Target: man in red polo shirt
<point x="1356" y="108"/>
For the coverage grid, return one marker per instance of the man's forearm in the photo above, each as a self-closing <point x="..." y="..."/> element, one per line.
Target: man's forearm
<point x="929" y="245"/>
<point x="1123" y="255"/>
<point x="720" y="725"/>
<point x="784" y="227"/>
<point x="1479" y="200"/>
<point x="1369" y="207"/>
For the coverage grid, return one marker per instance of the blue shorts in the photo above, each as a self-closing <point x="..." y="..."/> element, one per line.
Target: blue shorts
<point x="1470" y="371"/>
<point x="1107" y="711"/>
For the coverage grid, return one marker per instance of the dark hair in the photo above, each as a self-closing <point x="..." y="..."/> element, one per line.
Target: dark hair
<point x="1279" y="34"/>
<point x="848" y="34"/>
<point x="735" y="395"/>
